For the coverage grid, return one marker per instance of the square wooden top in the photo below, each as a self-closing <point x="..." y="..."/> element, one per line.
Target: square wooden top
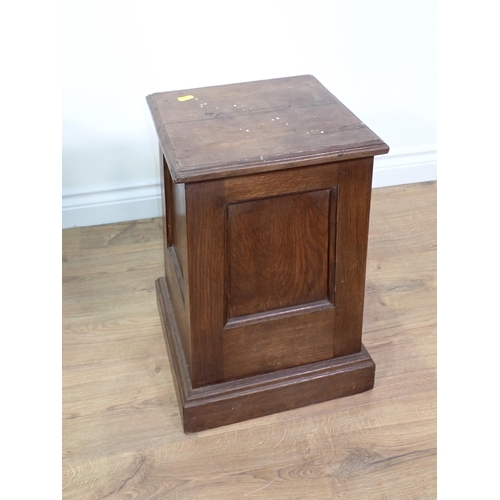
<point x="245" y="128"/>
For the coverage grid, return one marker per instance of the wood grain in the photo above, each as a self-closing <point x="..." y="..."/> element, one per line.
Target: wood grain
<point x="122" y="436"/>
<point x="285" y="341"/>
<point x="261" y="255"/>
<point x="353" y="212"/>
<point x="233" y="401"/>
<point x="175" y="254"/>
<point x="248" y="259"/>
<point x="278" y="252"/>
<point x="207" y="270"/>
<point x="238" y="129"/>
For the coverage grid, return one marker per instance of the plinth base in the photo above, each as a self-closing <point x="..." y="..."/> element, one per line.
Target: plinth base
<point x="234" y="401"/>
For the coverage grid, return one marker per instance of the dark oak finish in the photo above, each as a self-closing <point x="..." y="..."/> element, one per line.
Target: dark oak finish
<point x="300" y="335"/>
<point x="278" y="252"/>
<point x="262" y="301"/>
<point x="175" y="244"/>
<point x="207" y="248"/>
<point x="352" y="243"/>
<point x="233" y="130"/>
<point x="229" y="402"/>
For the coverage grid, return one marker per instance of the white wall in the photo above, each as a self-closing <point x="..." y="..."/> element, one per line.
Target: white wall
<point x="377" y="57"/>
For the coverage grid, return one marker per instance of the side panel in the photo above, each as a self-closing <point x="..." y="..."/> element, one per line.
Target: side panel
<point x="297" y="244"/>
<point x="278" y="252"/>
<point x="175" y="252"/>
<point x="277" y="267"/>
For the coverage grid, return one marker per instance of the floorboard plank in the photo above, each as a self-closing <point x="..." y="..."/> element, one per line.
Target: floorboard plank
<point x="122" y="434"/>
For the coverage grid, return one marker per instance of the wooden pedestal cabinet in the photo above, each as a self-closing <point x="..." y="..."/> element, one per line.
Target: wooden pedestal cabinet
<point x="266" y="206"/>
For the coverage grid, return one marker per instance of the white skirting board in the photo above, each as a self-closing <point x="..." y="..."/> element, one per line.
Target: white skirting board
<point x="405" y="168"/>
<point x="124" y="203"/>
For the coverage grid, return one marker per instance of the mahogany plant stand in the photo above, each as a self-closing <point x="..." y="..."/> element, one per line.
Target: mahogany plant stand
<point x="266" y="197"/>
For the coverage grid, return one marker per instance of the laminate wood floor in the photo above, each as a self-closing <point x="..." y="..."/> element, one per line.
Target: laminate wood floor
<point x="122" y="435"/>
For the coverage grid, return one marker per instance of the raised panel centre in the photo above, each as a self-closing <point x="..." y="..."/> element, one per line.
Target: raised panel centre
<point x="278" y="252"/>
